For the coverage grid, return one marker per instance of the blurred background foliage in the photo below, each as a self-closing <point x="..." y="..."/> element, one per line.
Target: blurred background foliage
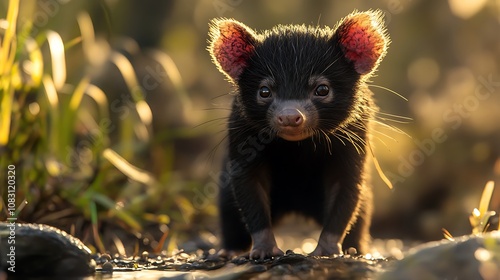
<point x="113" y="113"/>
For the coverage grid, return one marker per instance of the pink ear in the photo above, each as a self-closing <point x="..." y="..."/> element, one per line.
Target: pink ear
<point x="363" y="39"/>
<point x="231" y="45"/>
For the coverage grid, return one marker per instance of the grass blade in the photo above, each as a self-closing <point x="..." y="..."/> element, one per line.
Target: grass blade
<point x="146" y="117"/>
<point x="36" y="60"/>
<point x="77" y="96"/>
<point x="447" y="234"/>
<point x="143" y="128"/>
<point x="53" y="100"/>
<point x="175" y="77"/>
<point x="480" y="216"/>
<point x="119" y="213"/>
<point x="58" y="58"/>
<point x="486" y="197"/>
<point x="128" y="169"/>
<point x="95" y="228"/>
<point x="6" y="113"/>
<point x="101" y="99"/>
<point x="7" y="54"/>
<point x="128" y="74"/>
<point x="9" y="37"/>
<point x="87" y="35"/>
<point x="67" y="124"/>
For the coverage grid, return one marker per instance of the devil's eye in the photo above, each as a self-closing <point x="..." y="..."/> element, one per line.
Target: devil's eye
<point x="264" y="92"/>
<point x="322" y="90"/>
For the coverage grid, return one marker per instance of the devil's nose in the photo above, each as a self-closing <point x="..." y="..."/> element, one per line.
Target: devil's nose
<point x="290" y="117"/>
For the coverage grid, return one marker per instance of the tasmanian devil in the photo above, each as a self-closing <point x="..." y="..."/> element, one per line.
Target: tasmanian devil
<point x="299" y="130"/>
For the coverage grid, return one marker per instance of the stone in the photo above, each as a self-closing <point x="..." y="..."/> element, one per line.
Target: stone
<point x="38" y="250"/>
<point x="466" y="257"/>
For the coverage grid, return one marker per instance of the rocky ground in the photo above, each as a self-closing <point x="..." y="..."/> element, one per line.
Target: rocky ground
<point x="43" y="251"/>
<point x="289" y="266"/>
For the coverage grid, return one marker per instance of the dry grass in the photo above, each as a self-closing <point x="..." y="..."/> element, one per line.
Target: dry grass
<point x="43" y="120"/>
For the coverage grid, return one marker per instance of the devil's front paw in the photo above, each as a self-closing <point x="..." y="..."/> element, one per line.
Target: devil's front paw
<point x="327" y="249"/>
<point x="264" y="245"/>
<point x="265" y="251"/>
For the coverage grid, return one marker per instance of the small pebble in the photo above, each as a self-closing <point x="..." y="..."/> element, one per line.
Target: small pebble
<point x="107" y="268"/>
<point x="352" y="251"/>
<point x="212" y="251"/>
<point x="239" y="260"/>
<point x="289" y="252"/>
<point x="184" y="255"/>
<point x="158" y="262"/>
<point x="144" y="256"/>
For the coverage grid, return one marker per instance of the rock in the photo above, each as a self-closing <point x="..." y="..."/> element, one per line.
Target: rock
<point x="467" y="257"/>
<point x="42" y="251"/>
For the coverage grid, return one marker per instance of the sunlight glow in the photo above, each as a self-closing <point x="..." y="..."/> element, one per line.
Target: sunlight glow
<point x="53" y="167"/>
<point x="34" y="108"/>
<point x="476" y="212"/>
<point x="279" y="241"/>
<point x="423" y="72"/>
<point x="308" y="245"/>
<point x="466" y="8"/>
<point x="4" y="24"/>
<point x="482" y="255"/>
<point x="489" y="270"/>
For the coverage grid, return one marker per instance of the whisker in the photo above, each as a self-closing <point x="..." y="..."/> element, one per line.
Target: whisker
<point x="220" y="96"/>
<point x="382" y="141"/>
<point x="216" y="108"/>
<point x="211" y="121"/>
<point x="213" y="151"/>
<point x="395" y="116"/>
<point x="337" y="136"/>
<point x="329" y="65"/>
<point x="362" y="142"/>
<point x="383" y="134"/>
<point x="392" y="128"/>
<point x="389" y="90"/>
<point x="328" y="142"/>
<point x="347" y="136"/>
<point x="392" y="120"/>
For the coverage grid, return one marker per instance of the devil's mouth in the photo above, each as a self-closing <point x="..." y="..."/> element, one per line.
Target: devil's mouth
<point x="293" y="133"/>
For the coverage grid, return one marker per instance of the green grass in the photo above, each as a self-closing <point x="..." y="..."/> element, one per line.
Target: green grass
<point x="44" y="119"/>
<point x="480" y="217"/>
